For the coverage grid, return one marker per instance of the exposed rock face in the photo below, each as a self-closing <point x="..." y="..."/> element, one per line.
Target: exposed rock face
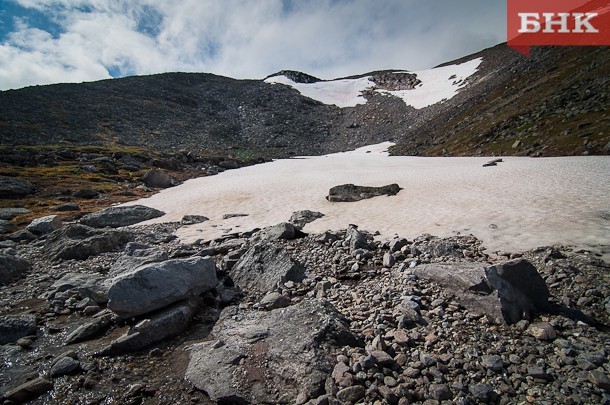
<point x="263" y="266"/>
<point x="297" y="77"/>
<point x="158" y="179"/>
<point x="13" y="327"/>
<point x="166" y="323"/>
<point x="44" y="225"/>
<point x="193" y="219"/>
<point x="351" y="192"/>
<point x="507" y="292"/>
<point x="12" y="267"/>
<point x="395" y="80"/>
<point x="115" y="217"/>
<point x="284" y="230"/>
<point x="301" y="218"/>
<point x="11" y="187"/>
<point x="79" y="242"/>
<point x="157" y="285"/>
<point x="256" y="352"/>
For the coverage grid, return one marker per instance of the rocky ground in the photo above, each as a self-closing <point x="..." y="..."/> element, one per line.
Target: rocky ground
<point x="98" y="312"/>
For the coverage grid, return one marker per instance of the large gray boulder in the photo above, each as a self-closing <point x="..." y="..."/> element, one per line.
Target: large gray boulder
<point x="12" y="187"/>
<point x="255" y="352"/>
<point x="506" y="292"/>
<point x="164" y="324"/>
<point x="44" y="225"/>
<point x="115" y="217"/>
<point x="156" y="285"/>
<point x="12" y="267"/>
<point x="79" y="242"/>
<point x="158" y="179"/>
<point x="351" y="192"/>
<point x="281" y="231"/>
<point x="13" y="327"/>
<point x="263" y="266"/>
<point x="301" y="218"/>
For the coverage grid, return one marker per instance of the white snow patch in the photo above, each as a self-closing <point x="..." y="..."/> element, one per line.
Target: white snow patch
<point x="437" y="84"/>
<point x="342" y="93"/>
<point x="520" y="204"/>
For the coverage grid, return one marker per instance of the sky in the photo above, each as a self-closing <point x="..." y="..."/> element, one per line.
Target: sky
<point x="58" y="41"/>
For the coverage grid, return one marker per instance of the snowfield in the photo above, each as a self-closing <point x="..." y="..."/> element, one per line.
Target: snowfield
<point x="436" y="85"/>
<point x="520" y="204"/>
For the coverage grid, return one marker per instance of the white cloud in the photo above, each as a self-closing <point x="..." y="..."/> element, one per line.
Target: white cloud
<point x="244" y="39"/>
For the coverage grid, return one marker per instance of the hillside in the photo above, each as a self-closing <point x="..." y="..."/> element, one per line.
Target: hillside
<point x="552" y="104"/>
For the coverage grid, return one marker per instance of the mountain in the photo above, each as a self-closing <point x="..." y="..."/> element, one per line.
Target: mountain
<point x="493" y="102"/>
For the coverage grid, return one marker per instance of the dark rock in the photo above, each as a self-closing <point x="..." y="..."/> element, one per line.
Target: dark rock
<point x="492" y="362"/>
<point x="599" y="378"/>
<point x="229" y="164"/>
<point x="6" y="226"/>
<point x="85" y="193"/>
<point x="193" y="219"/>
<point x="13" y="327"/>
<point x="480" y="391"/>
<point x="10" y="213"/>
<point x="45" y="225"/>
<point x="159" y="326"/>
<point x="29" y="390"/>
<point x="115" y="217"/>
<point x="158" y="179"/>
<point x="12" y="268"/>
<point x="22" y="235"/>
<point x="87" y="286"/>
<point x="157" y="285"/>
<point x="281" y="231"/>
<point x="66" y="207"/>
<point x="255" y="352"/>
<point x="228" y="216"/>
<point x="351" y="192"/>
<point x="538" y="372"/>
<point x="351" y="395"/>
<point x="301" y="218"/>
<point x="397" y="244"/>
<point x="63" y="366"/>
<point x="521" y="289"/>
<point x="274" y="300"/>
<point x="263" y="266"/>
<point x="89" y="329"/>
<point x="11" y="187"/>
<point x="440" y="392"/>
<point x="507" y="292"/>
<point x="76" y="241"/>
<point x="356" y="239"/>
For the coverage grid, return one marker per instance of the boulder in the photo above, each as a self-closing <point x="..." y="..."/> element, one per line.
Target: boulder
<point x="263" y="266"/>
<point x="164" y="324"/>
<point x="193" y="219"/>
<point x="133" y="258"/>
<point x="301" y="218"/>
<point x="12" y="267"/>
<point x="156" y="285"/>
<point x="45" y="225"/>
<point x="6" y="226"/>
<point x="115" y="217"/>
<point x="87" y="286"/>
<point x="281" y="231"/>
<point x="10" y="213"/>
<point x="351" y="192"/>
<point x="356" y="239"/>
<point x="79" y="242"/>
<point x="14" y="327"/>
<point x="255" y="352"/>
<point x="158" y="179"/>
<point x="29" y="390"/>
<point x="89" y="329"/>
<point x="507" y="292"/>
<point x="11" y="187"/>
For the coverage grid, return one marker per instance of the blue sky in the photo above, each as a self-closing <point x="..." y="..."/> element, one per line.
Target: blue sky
<point x="52" y="41"/>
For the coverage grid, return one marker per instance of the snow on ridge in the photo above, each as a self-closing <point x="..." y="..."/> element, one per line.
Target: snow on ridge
<point x="437" y="84"/>
<point x="342" y="93"/>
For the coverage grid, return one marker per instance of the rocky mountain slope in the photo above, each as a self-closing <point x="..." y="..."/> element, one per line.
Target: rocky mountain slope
<point x="94" y="312"/>
<point x="554" y="103"/>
